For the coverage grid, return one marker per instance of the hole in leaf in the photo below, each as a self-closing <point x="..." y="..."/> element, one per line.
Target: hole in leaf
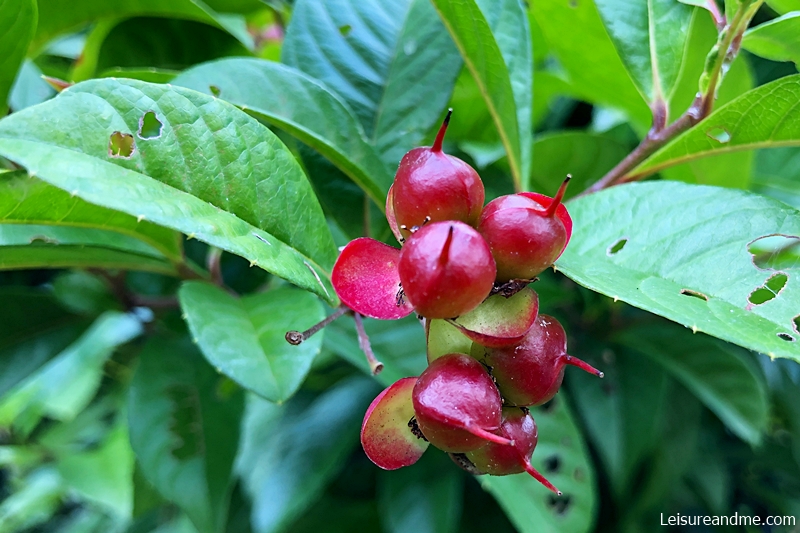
<point x="775" y="252"/>
<point x="559" y="504"/>
<point x="786" y="337"/>
<point x="345" y="30"/>
<point x="43" y="238"/>
<point x="770" y="290"/>
<point x="410" y="47"/>
<point x="617" y="246"/>
<point x="149" y="126"/>
<point x="694" y="294"/>
<point x="719" y="134"/>
<point x="185" y="423"/>
<point x="121" y="145"/>
<point x="796" y="324"/>
<point x="216" y="91"/>
<point x="552" y="464"/>
<point x="573" y="3"/>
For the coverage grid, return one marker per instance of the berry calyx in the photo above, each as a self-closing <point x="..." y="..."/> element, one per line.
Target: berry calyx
<point x="497" y="460"/>
<point x="526" y="232"/>
<point x="530" y="373"/>
<point x="457" y="405"/>
<point x="446" y="269"/>
<point x="430" y="184"/>
<point x="385" y="434"/>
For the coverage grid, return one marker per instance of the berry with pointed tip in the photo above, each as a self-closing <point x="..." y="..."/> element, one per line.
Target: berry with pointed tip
<point x="526" y="232"/>
<point x="531" y="372"/>
<point x="446" y="269"/>
<point x="430" y="183"/>
<point x="457" y="405"/>
<point x="497" y="460"/>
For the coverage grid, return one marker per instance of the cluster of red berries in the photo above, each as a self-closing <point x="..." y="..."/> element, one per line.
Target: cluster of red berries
<point x="464" y="269"/>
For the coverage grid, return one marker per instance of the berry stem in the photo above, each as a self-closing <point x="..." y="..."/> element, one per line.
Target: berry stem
<point x="583" y="365"/>
<point x="437" y="144"/>
<point x="487" y="435"/>
<point x="295" y="337"/>
<point x="363" y="342"/>
<point x="551" y="209"/>
<point x="539" y="477"/>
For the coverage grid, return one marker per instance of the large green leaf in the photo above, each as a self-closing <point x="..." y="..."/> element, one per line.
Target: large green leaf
<point x="314" y="114"/>
<point x="530" y="506"/>
<point x="390" y="61"/>
<point x="17" y="26"/>
<point x="720" y="375"/>
<point x="778" y="39"/>
<point x="594" y="67"/>
<point x="60" y="16"/>
<point x="65" y="385"/>
<point x="767" y="116"/>
<point x="244" y="337"/>
<point x="681" y="251"/>
<point x="499" y="58"/>
<point x="290" y="452"/>
<point x="784" y="6"/>
<point x="777" y="174"/>
<point x="651" y="38"/>
<point x="25" y="200"/>
<point x="29" y="88"/>
<point x="204" y="168"/>
<point x="184" y="429"/>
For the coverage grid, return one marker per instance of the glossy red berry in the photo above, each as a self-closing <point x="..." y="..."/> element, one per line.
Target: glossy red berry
<point x="446" y="269"/>
<point x="431" y="185"/>
<point x="457" y="405"/>
<point x="526" y="233"/>
<point x="498" y="460"/>
<point x="531" y="372"/>
<point x="386" y="437"/>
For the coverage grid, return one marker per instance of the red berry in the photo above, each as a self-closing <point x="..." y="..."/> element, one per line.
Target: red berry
<point x="497" y="460"/>
<point x="431" y="185"/>
<point x="457" y="405"/>
<point x="385" y="434"/>
<point x="446" y="269"/>
<point x="525" y="232"/>
<point x="531" y="372"/>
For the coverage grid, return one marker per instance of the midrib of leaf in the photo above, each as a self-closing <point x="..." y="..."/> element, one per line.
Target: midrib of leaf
<point x="658" y="92"/>
<point x="513" y="161"/>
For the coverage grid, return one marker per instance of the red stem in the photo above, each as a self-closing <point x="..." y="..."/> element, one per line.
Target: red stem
<point x="446" y="247"/>
<point x="551" y="209"/>
<point x="487" y="435"/>
<point x="437" y="144"/>
<point x="583" y="365"/>
<point x="539" y="477"/>
<point x="363" y="342"/>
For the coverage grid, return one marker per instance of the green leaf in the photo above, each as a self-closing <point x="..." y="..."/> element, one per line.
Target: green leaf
<point x="425" y="497"/>
<point x="17" y="26"/>
<point x="586" y="156"/>
<point x="291" y="452"/>
<point x="594" y="67"/>
<point x="777" y="40"/>
<point x="784" y="6"/>
<point x="390" y="61"/>
<point x="33" y="329"/>
<point x="33" y="503"/>
<point x="720" y="375"/>
<point x="681" y="251"/>
<point x="530" y="506"/>
<point x="61" y="16"/>
<point x="764" y="117"/>
<point x="25" y="200"/>
<point x="35" y="246"/>
<point x="651" y="38"/>
<point x="244" y="337"/>
<point x="314" y="114"/>
<point x="777" y="174"/>
<point x="64" y="386"/>
<point x="398" y="344"/>
<point x="499" y="59"/>
<point x="212" y="172"/>
<point x="103" y="475"/>
<point x="184" y="425"/>
<point x="29" y="88"/>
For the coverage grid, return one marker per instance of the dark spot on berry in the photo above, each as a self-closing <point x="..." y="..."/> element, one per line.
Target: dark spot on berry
<point x="412" y="424"/>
